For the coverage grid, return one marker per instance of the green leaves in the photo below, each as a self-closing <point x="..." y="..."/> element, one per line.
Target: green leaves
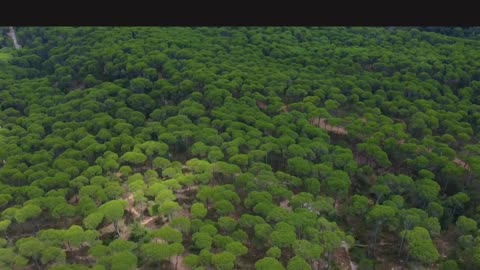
<point x="268" y="263"/>
<point x="225" y="122"/>
<point x="168" y="234"/>
<point x="27" y="212"/>
<point x="93" y="220"/>
<point x="421" y="246"/>
<point x="298" y="263"/>
<point x="380" y="214"/>
<point x="134" y="158"/>
<point x="466" y="225"/>
<point x="113" y="210"/>
<point x="4" y="224"/>
<point x="299" y="166"/>
<point x="223" y="261"/>
<point x="283" y="236"/>
<point x="155" y="252"/>
<point x="198" y="210"/>
<point x="202" y="240"/>
<point x="237" y="249"/>
<point x="30" y="247"/>
<point x="305" y="249"/>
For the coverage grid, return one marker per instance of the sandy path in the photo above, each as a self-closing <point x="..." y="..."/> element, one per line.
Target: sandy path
<point x="176" y="261"/>
<point x="262" y="105"/>
<point x="13" y="35"/>
<point x="148" y="220"/>
<point x="285" y="205"/>
<point x="131" y="206"/>
<point x="323" y="124"/>
<point x="462" y="164"/>
<point x="345" y="246"/>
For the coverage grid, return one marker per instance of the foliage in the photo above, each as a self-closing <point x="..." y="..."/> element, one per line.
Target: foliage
<point x="248" y="147"/>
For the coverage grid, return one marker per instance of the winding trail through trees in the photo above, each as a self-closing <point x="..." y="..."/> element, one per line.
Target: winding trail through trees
<point x="131" y="208"/>
<point x="462" y="164"/>
<point x="13" y="35"/>
<point x="176" y="261"/>
<point x="340" y="130"/>
<point x="323" y="124"/>
<point x="285" y="205"/>
<point x="345" y="246"/>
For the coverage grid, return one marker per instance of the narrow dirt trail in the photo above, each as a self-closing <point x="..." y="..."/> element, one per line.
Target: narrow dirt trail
<point x="345" y="246"/>
<point x="323" y="124"/>
<point x="176" y="261"/>
<point x="285" y="205"/>
<point x="13" y="35"/>
<point x="147" y="220"/>
<point x="131" y="206"/>
<point x="462" y="164"/>
<point x="456" y="160"/>
<point x="337" y="206"/>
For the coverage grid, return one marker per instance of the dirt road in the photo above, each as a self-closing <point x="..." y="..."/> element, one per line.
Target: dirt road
<point x="13" y="35"/>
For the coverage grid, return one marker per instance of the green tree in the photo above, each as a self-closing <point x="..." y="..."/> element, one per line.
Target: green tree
<point x="298" y="263"/>
<point x="274" y="252"/>
<point x="53" y="255"/>
<point x="93" y="220"/>
<point x="283" y="236"/>
<point x="202" y="240"/>
<point x="113" y="211"/>
<point x="227" y="224"/>
<point x="378" y="216"/>
<point x="449" y="265"/>
<point x="466" y="225"/>
<point x="359" y="205"/>
<point x="420" y="246"/>
<point x="268" y="263"/>
<point x="307" y="250"/>
<point x="299" y="166"/>
<point x="32" y="248"/>
<point x="27" y="212"/>
<point x="223" y="261"/>
<point x="155" y="253"/>
<point x="236" y="248"/>
<point x="167" y="208"/>
<point x="124" y="260"/>
<point x="168" y="234"/>
<point x="4" y="224"/>
<point x="133" y="158"/>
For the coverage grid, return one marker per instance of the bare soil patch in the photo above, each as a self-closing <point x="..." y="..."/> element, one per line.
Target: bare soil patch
<point x="323" y="124"/>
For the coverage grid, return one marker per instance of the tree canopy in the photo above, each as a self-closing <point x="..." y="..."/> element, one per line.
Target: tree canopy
<point x="239" y="147"/>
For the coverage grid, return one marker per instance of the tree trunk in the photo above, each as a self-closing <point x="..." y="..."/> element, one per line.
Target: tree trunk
<point x="142" y="209"/>
<point x="37" y="266"/>
<point x="115" y="225"/>
<point x="408" y="257"/>
<point x="401" y="244"/>
<point x="375" y="239"/>
<point x="329" y="259"/>
<point x="445" y="186"/>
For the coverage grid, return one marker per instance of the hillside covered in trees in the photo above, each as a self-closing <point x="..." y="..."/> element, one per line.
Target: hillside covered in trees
<point x="224" y="148"/>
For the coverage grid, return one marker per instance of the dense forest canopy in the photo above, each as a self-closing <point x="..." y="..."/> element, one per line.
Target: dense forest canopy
<point x="239" y="148"/>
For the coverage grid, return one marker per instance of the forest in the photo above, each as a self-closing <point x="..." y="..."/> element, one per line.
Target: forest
<point x="221" y="148"/>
